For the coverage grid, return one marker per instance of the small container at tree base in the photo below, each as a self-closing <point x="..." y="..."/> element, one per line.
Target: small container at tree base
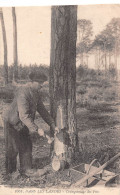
<point x="57" y="164"/>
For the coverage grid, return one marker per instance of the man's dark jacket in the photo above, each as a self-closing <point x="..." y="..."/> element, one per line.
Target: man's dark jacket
<point x="23" y="108"/>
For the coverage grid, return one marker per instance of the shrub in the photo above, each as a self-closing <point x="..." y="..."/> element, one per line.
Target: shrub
<point x="23" y="71"/>
<point x="7" y="92"/>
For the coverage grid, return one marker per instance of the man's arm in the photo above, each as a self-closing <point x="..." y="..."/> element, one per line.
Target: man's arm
<point x="45" y="114"/>
<point x="24" y="111"/>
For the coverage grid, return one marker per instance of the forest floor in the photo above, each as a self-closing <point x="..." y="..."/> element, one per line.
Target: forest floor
<point x="98" y="126"/>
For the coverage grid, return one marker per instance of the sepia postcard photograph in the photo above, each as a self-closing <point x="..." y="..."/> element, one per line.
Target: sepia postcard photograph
<point x="60" y="99"/>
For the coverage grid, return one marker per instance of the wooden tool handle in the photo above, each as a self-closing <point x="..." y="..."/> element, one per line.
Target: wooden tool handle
<point x="49" y="139"/>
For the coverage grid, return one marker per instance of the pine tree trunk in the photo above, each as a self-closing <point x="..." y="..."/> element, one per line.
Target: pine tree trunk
<point x="115" y="56"/>
<point x="105" y="62"/>
<point x="15" y="72"/>
<point x="105" y="55"/>
<point x="63" y="69"/>
<point x="99" y="57"/>
<point x="5" y="68"/>
<point x="109" y="60"/>
<point x="87" y="57"/>
<point x="96" y="58"/>
<point x="115" y="51"/>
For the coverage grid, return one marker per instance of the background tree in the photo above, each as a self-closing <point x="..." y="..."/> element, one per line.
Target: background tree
<point x="108" y="43"/>
<point x="104" y="42"/>
<point x="114" y="28"/>
<point x="15" y="54"/>
<point x="63" y="70"/>
<point x="5" y="67"/>
<point x="83" y="38"/>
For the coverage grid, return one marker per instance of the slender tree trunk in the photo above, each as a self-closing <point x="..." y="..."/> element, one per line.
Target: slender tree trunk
<point x="63" y="69"/>
<point x="116" y="51"/>
<point x="96" y="58"/>
<point x="99" y="57"/>
<point x="15" y="54"/>
<point x="5" y="68"/>
<point x="87" y="60"/>
<point x="105" y="55"/>
<point x="109" y="59"/>
<point x="110" y="64"/>
<point x="115" y="55"/>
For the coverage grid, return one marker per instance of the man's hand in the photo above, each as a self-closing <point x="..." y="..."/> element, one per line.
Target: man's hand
<point x="41" y="132"/>
<point x="57" y="130"/>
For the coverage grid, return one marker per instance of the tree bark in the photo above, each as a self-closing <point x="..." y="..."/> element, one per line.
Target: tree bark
<point x="96" y="58"/>
<point x="5" y="68"/>
<point x="109" y="59"/>
<point x="105" y="55"/>
<point x="15" y="54"/>
<point x="87" y="57"/>
<point x="115" y="58"/>
<point x="99" y="58"/>
<point x="63" y="69"/>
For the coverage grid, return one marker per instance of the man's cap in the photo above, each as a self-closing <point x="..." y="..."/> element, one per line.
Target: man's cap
<point x="37" y="76"/>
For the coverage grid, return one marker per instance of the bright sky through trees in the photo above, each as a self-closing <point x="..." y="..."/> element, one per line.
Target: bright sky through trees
<point x="34" y="24"/>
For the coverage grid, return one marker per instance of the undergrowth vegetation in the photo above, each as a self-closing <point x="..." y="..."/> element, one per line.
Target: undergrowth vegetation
<point x="98" y="122"/>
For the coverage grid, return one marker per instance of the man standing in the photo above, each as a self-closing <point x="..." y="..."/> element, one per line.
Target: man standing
<point x="19" y="123"/>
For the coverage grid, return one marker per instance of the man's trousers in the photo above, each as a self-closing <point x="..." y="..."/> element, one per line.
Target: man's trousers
<point x="17" y="142"/>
